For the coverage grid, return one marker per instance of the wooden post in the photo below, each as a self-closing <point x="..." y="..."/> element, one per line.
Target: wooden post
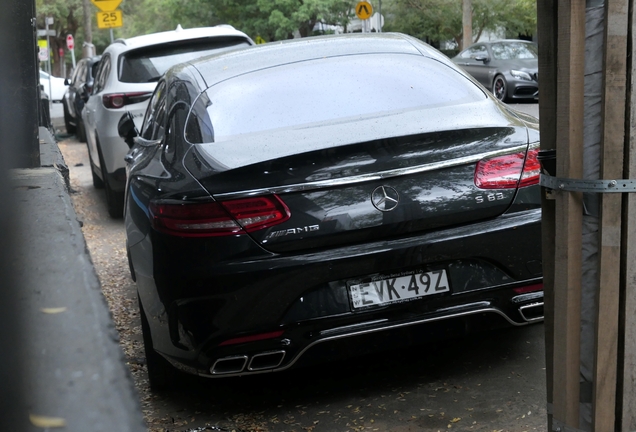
<point x="568" y="213"/>
<point x="467" y="23"/>
<point x="547" y="41"/>
<point x="612" y="150"/>
<point x="627" y="348"/>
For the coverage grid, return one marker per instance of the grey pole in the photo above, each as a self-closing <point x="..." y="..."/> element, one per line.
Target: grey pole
<point x="49" y="20"/>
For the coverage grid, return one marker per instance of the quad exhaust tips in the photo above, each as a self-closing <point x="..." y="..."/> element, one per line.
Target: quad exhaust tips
<point x="257" y="362"/>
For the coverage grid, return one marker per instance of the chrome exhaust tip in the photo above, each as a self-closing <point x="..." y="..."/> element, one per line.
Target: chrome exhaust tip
<point x="266" y="360"/>
<point x="532" y="312"/>
<point x="229" y="365"/>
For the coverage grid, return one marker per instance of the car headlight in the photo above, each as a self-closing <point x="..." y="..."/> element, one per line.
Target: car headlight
<point x="521" y="75"/>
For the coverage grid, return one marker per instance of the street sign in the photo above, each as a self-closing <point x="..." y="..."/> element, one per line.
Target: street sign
<point x="106" y="5"/>
<point x="45" y="33"/>
<point x="110" y="19"/>
<point x="70" y="42"/>
<point x="43" y="54"/>
<point x="364" y="10"/>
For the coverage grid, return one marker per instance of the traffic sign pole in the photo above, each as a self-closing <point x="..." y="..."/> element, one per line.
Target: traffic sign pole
<point x="364" y="11"/>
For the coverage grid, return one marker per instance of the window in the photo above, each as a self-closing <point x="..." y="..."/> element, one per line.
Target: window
<point x="153" y="125"/>
<point x="102" y="74"/>
<point x="323" y="90"/>
<point x="149" y="63"/>
<point x="514" y="51"/>
<point x="475" y="51"/>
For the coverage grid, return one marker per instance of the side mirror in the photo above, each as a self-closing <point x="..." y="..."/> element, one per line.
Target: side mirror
<point x="127" y="130"/>
<point x="482" y="59"/>
<point x="67" y="82"/>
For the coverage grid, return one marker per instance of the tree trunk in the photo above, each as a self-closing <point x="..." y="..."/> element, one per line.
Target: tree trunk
<point x="467" y="23"/>
<point x="88" y="30"/>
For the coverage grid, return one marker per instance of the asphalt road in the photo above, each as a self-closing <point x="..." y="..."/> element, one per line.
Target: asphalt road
<point x="493" y="381"/>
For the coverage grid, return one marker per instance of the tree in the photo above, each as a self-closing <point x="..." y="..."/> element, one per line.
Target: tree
<point x="270" y="19"/>
<point x="67" y="19"/>
<point x="438" y="20"/>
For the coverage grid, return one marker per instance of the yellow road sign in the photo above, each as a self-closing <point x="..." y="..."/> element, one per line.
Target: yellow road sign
<point x="364" y="10"/>
<point x="110" y="19"/>
<point x="106" y="5"/>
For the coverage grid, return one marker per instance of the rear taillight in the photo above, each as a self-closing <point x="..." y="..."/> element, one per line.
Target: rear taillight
<point x="508" y="171"/>
<point x="528" y="289"/>
<point x="219" y="218"/>
<point x="119" y="100"/>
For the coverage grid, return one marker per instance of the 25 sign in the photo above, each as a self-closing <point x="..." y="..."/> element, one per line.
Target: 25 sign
<point x="109" y="19"/>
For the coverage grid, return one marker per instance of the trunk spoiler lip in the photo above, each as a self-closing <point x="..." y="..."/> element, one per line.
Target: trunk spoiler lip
<point x="363" y="178"/>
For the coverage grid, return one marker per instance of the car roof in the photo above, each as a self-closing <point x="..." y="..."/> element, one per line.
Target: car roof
<point x="223" y="66"/>
<point x="180" y="34"/>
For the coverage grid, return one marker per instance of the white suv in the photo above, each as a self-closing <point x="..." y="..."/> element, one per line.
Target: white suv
<point x="127" y="76"/>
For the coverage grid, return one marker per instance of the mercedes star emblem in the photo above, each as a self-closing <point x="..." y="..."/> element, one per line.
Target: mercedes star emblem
<point x="385" y="198"/>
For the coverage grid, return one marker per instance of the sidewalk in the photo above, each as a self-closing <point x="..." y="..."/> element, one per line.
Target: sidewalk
<point x="77" y="379"/>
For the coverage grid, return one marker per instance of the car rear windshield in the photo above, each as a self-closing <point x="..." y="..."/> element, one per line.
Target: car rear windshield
<point x="149" y="63"/>
<point x="326" y="90"/>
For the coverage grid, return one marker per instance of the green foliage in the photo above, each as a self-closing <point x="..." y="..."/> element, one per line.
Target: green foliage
<point x="429" y="20"/>
<point x="438" y="20"/>
<point x="67" y="19"/>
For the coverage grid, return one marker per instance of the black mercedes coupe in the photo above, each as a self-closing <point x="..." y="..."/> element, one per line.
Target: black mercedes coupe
<point x="311" y="198"/>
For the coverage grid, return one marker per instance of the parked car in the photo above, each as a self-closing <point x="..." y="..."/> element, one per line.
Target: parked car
<point x="298" y="195"/>
<point x="125" y="79"/>
<point x="508" y="68"/>
<point x="79" y="88"/>
<point x="57" y="86"/>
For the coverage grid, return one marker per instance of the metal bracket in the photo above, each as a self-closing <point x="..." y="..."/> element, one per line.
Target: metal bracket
<point x="581" y="185"/>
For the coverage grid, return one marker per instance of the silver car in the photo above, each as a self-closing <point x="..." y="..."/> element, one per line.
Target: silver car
<point x="126" y="78"/>
<point x="508" y="68"/>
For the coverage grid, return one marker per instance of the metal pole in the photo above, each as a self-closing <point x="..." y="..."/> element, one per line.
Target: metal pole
<point x="47" y="21"/>
<point x="380" y="16"/>
<point x="112" y="39"/>
<point x="73" y="57"/>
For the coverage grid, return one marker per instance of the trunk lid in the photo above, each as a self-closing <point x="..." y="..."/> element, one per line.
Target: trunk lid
<point x="369" y="190"/>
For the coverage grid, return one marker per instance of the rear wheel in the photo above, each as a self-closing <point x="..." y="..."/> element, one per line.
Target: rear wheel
<point x="500" y="88"/>
<point x="81" y="132"/>
<point x="161" y="374"/>
<point x="67" y="121"/>
<point x="114" y="199"/>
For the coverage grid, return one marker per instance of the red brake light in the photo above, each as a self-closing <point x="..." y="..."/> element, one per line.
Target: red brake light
<point x="528" y="289"/>
<point x="219" y="218"/>
<point x="508" y="171"/>
<point x="119" y="100"/>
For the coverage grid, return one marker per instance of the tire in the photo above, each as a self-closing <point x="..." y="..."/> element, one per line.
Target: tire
<point x="161" y="374"/>
<point x="81" y="132"/>
<point x="97" y="182"/>
<point x="70" y="129"/>
<point x="114" y="199"/>
<point x="500" y="88"/>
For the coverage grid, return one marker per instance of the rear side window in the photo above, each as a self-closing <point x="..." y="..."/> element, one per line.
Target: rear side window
<point x="149" y="63"/>
<point x="102" y="74"/>
<point x="514" y="51"/>
<point x="326" y="90"/>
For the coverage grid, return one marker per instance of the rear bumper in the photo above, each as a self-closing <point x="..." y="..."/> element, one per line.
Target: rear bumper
<point x="193" y="311"/>
<point x="372" y="335"/>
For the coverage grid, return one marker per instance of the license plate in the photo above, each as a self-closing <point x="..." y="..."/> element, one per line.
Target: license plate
<point x="399" y="289"/>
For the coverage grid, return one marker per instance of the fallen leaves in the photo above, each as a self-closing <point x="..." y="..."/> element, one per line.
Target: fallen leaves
<point x="53" y="310"/>
<point x="47" y="422"/>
